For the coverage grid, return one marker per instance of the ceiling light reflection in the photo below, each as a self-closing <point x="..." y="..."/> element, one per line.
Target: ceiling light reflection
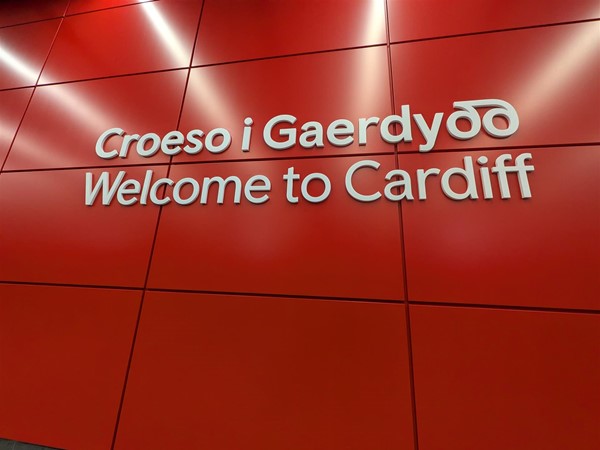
<point x="80" y="112"/>
<point x="209" y="97"/>
<point x="367" y="67"/>
<point x="374" y="22"/>
<point x="180" y="54"/>
<point x="15" y="64"/>
<point x="560" y="69"/>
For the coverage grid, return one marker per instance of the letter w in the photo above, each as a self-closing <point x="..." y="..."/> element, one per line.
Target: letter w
<point x="102" y="183"/>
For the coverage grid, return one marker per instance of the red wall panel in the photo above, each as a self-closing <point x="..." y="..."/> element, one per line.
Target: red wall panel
<point x="23" y="50"/>
<point x="49" y="235"/>
<point x="224" y="372"/>
<point x="321" y="87"/>
<point x="549" y="75"/>
<point x="14" y="12"/>
<point x="240" y="30"/>
<point x="339" y="248"/>
<point x="65" y="121"/>
<point x="505" y="379"/>
<point x="543" y="251"/>
<point x="137" y="38"/>
<point x="63" y="359"/>
<point x="420" y="19"/>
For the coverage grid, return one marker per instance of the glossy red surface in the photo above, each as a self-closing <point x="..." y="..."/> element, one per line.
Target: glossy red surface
<point x="280" y="325"/>
<point x="63" y="354"/>
<point x="225" y="372"/>
<point x="237" y="30"/>
<point x="308" y="87"/>
<point x="418" y="19"/>
<point x="137" y="38"/>
<point x="339" y="248"/>
<point x="550" y="75"/>
<point x="13" y="12"/>
<point x="64" y="121"/>
<point x="490" y="379"/>
<point x="49" y="234"/>
<point x="540" y="252"/>
<point x="23" y="50"/>
<point x="12" y="108"/>
<point x="80" y="6"/>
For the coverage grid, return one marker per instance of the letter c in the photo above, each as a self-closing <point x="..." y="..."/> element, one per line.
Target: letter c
<point x="350" y="188"/>
<point x="102" y="140"/>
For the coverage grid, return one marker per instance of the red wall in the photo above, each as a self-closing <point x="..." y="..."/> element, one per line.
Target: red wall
<point x="429" y="324"/>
